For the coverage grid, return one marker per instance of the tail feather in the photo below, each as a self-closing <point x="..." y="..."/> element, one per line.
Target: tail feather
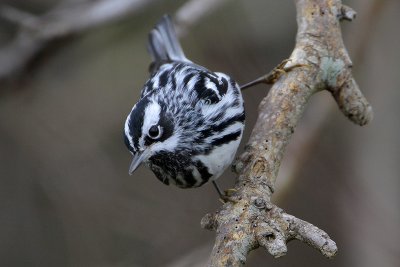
<point x="164" y="45"/>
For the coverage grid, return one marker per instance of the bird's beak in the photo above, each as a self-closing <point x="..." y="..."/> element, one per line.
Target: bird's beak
<point x="138" y="158"/>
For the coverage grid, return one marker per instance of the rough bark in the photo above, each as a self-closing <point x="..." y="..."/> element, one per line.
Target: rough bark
<point x="251" y="220"/>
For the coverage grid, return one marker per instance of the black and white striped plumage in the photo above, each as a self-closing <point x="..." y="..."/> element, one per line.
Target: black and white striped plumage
<point x="189" y="121"/>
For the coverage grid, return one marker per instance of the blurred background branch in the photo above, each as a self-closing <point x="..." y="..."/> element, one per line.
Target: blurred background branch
<point x="73" y="17"/>
<point x="65" y="19"/>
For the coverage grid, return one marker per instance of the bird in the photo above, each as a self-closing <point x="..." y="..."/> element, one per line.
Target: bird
<point x="188" y="122"/>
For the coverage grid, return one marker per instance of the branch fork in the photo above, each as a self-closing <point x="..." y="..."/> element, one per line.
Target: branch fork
<point x="272" y="228"/>
<point x="319" y="62"/>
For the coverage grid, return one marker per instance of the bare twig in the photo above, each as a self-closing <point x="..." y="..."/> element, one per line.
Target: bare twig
<point x="252" y="220"/>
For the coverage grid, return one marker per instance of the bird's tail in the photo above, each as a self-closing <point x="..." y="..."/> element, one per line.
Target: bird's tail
<point x="164" y="45"/>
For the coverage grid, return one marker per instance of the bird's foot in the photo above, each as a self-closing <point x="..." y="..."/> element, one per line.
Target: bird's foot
<point x="228" y="196"/>
<point x="274" y="74"/>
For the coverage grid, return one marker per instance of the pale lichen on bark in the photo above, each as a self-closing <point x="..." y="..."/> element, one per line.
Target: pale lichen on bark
<point x="251" y="220"/>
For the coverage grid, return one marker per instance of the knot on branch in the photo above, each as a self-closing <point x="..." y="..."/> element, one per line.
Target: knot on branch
<point x="209" y="222"/>
<point x="347" y="13"/>
<point x="270" y="237"/>
<point x="241" y="161"/>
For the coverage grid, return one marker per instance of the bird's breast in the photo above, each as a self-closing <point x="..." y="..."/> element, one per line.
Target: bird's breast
<point x="181" y="170"/>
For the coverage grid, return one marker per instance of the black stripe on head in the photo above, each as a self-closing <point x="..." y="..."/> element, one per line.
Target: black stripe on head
<point x="223" y="87"/>
<point x="213" y="78"/>
<point x="225" y="139"/>
<point x="187" y="78"/>
<point x="173" y="73"/>
<point x="179" y="66"/>
<point x="172" y="79"/>
<point x="236" y="91"/>
<point x="199" y="86"/>
<point x="149" y="86"/>
<point x="205" y="93"/>
<point x="163" y="78"/>
<point x="136" y="120"/>
<point x="221" y="84"/>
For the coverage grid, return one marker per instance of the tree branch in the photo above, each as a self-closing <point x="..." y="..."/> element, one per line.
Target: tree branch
<point x="73" y="17"/>
<point x="251" y="220"/>
<point x="65" y="19"/>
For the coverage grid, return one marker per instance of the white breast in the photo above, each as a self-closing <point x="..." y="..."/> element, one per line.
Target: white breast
<point x="220" y="158"/>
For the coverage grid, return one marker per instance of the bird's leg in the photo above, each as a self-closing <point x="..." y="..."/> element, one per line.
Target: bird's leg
<point x="226" y="195"/>
<point x="273" y="75"/>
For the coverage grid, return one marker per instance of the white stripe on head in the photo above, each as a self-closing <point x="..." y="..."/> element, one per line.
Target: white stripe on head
<point x="192" y="82"/>
<point x="211" y="85"/>
<point x="151" y="117"/>
<point x="126" y="129"/>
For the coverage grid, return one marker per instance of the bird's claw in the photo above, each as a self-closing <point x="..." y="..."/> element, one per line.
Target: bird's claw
<point x="228" y="196"/>
<point x="280" y="70"/>
<point x="274" y="74"/>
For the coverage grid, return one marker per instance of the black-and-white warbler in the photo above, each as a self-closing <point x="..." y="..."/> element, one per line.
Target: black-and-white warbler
<point x="189" y="121"/>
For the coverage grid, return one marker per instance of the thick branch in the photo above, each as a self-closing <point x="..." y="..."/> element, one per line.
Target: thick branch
<point x="252" y="220"/>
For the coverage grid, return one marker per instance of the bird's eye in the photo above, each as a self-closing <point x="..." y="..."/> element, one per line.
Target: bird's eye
<point x="207" y="102"/>
<point x="155" y="132"/>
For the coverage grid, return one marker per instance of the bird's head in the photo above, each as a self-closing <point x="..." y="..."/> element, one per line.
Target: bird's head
<point x="149" y="129"/>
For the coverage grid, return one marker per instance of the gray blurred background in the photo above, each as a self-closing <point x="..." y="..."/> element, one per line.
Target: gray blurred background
<point x="66" y="198"/>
